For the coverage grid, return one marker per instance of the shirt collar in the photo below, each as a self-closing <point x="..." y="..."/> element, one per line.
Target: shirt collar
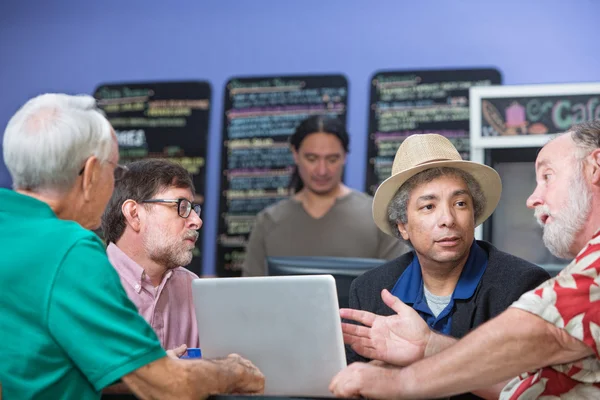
<point x="471" y="273"/>
<point x="129" y="270"/>
<point x="409" y="287"/>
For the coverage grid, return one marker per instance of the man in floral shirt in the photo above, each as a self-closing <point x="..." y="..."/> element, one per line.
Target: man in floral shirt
<point x="550" y="336"/>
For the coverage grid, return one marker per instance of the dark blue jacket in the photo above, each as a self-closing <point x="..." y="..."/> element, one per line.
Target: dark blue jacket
<point x="505" y="279"/>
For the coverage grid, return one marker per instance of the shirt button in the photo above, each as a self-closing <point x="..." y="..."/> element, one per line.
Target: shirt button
<point x="137" y="287"/>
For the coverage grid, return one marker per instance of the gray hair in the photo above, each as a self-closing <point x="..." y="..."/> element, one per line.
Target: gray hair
<point x="49" y="138"/>
<point x="586" y="137"/>
<point x="397" y="208"/>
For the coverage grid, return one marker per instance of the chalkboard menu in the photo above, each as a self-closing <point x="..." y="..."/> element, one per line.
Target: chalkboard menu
<point x="409" y="102"/>
<point x="162" y="120"/>
<point x="536" y="115"/>
<point x="260" y="114"/>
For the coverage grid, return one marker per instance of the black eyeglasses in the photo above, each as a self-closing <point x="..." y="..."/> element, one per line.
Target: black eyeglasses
<point x="184" y="206"/>
<point x="120" y="170"/>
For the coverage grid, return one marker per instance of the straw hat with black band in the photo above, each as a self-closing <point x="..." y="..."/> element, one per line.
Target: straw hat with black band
<point x="424" y="151"/>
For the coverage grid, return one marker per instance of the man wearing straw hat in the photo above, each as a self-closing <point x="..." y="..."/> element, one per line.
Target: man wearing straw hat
<point x="550" y="338"/>
<point x="433" y="201"/>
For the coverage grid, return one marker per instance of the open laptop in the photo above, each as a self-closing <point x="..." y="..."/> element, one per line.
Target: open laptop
<point x="288" y="326"/>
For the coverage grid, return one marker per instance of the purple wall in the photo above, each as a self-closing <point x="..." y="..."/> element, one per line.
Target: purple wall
<point x="71" y="46"/>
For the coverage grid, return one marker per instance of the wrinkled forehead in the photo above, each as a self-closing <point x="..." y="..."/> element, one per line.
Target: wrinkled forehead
<point x="559" y="152"/>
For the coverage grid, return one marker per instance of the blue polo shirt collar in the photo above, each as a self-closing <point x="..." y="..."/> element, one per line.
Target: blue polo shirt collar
<point x="409" y="287"/>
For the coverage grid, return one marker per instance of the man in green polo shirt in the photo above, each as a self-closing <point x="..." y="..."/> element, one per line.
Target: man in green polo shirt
<point x="67" y="328"/>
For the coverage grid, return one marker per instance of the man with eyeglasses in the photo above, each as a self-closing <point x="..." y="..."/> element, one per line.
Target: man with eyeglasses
<point x="151" y="226"/>
<point x="68" y="329"/>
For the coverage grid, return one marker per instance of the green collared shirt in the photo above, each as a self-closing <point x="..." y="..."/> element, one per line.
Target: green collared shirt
<point x="67" y="328"/>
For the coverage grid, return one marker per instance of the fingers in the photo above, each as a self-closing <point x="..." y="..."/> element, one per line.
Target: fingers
<point x="392" y="301"/>
<point x="355" y="330"/>
<point x="358" y="338"/>
<point x="177" y="351"/>
<point x="247" y="364"/>
<point x="355" y="340"/>
<point x="365" y="351"/>
<point x="361" y="345"/>
<point x="256" y="380"/>
<point x="236" y="358"/>
<point x="256" y="384"/>
<point x="369" y="381"/>
<point x="345" y="383"/>
<point x="363" y="317"/>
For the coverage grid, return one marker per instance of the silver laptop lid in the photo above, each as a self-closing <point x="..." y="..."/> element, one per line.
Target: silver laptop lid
<point x="288" y="326"/>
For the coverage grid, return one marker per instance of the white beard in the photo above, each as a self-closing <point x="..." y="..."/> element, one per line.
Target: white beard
<point x="560" y="233"/>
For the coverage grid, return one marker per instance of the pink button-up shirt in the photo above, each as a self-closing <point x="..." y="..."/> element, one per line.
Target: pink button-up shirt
<point x="168" y="308"/>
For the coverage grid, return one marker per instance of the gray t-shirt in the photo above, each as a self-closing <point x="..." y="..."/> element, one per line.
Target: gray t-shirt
<point x="347" y="230"/>
<point x="436" y="303"/>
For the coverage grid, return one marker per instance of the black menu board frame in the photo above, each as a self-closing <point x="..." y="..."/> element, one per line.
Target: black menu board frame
<point x="259" y="115"/>
<point x="405" y="102"/>
<point x="162" y="120"/>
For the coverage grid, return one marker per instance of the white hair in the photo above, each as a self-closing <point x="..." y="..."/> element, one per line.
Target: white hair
<point x="48" y="140"/>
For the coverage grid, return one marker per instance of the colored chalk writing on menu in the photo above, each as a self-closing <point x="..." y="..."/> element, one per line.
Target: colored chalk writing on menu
<point x="162" y="120"/>
<point x="260" y="114"/>
<point x="536" y="115"/>
<point x="404" y="103"/>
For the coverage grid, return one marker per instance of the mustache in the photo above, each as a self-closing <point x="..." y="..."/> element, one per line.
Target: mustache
<point x="191" y="235"/>
<point x="539" y="211"/>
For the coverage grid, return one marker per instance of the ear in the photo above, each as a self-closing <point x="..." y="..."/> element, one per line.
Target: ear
<point x="403" y="231"/>
<point x="595" y="166"/>
<point x="91" y="175"/>
<point x="130" y="210"/>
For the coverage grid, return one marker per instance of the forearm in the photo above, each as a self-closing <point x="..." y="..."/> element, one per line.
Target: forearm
<point x="438" y="342"/>
<point x="180" y="379"/>
<point x="504" y="347"/>
<point x="208" y="377"/>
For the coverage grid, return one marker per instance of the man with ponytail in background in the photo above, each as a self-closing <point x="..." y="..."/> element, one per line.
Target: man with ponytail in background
<point x="323" y="217"/>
